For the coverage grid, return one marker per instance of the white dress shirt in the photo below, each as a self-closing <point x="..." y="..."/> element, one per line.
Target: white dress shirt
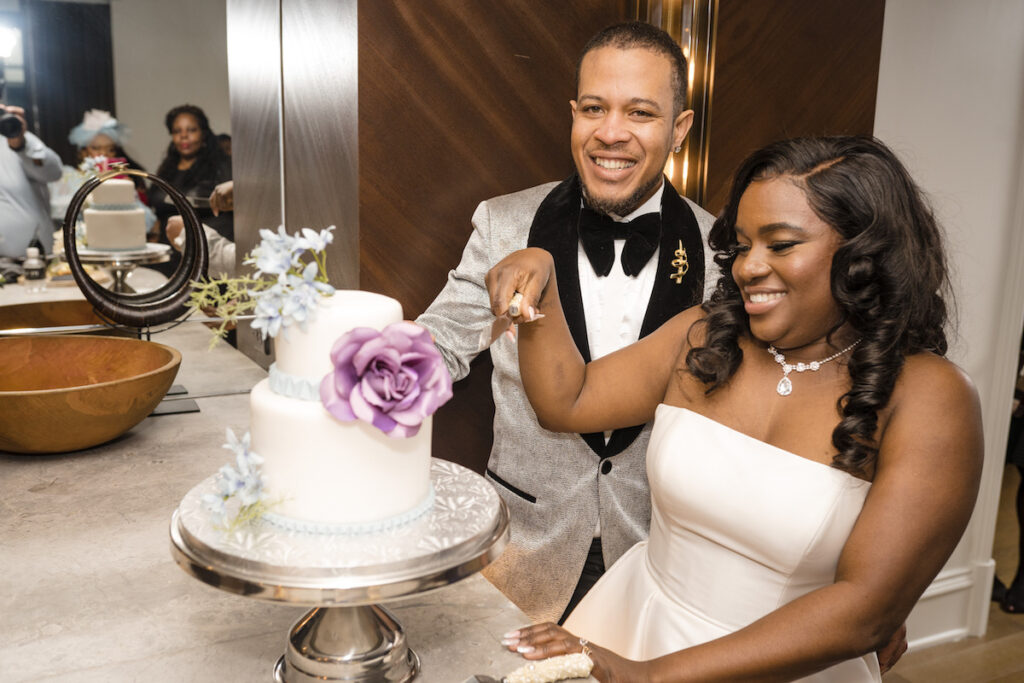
<point x="611" y="304"/>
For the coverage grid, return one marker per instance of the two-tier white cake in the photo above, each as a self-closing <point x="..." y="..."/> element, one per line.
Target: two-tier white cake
<point x="115" y="220"/>
<point x="320" y="473"/>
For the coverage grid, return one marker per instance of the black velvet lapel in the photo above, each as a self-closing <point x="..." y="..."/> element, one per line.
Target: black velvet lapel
<point x="554" y="229"/>
<point x="679" y="225"/>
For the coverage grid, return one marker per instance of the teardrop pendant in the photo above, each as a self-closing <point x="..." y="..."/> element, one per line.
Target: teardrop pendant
<point x="785" y="386"/>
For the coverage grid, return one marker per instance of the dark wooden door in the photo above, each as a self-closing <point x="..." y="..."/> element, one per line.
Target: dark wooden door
<point x="787" y="68"/>
<point x="459" y="101"/>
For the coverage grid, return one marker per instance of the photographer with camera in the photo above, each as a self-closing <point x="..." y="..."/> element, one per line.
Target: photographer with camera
<point x="26" y="166"/>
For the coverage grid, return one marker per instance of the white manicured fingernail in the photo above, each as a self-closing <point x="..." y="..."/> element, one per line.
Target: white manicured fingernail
<point x="524" y="649"/>
<point x="514" y="304"/>
<point x="512" y="634"/>
<point x="509" y="641"/>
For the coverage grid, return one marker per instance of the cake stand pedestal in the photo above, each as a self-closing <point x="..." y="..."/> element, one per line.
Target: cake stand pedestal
<point x="348" y="636"/>
<point x="122" y="263"/>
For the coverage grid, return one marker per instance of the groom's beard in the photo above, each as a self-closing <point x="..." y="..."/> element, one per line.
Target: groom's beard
<point x="621" y="207"/>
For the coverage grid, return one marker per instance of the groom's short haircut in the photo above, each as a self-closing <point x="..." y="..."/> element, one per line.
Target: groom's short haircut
<point x="639" y="35"/>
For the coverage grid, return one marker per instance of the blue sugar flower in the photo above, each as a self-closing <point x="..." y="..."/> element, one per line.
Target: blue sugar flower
<point x="229" y="482"/>
<point x="271" y="261"/>
<point x="215" y="505"/>
<point x="236" y="445"/>
<point x="316" y="241"/>
<point x="245" y="483"/>
<point x="280" y="240"/>
<point x="268" y="318"/>
<point x="248" y="464"/>
<point x="252" y="493"/>
<point x="309" y="274"/>
<point x="301" y="299"/>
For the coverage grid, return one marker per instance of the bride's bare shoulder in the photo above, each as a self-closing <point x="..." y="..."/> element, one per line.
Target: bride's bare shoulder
<point x="927" y="376"/>
<point x="933" y="396"/>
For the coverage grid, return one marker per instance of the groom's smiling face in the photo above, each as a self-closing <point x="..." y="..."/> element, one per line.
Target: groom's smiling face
<point x="624" y="126"/>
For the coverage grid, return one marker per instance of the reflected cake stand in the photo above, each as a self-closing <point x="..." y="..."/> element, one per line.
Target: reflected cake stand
<point x="122" y="263"/>
<point x="348" y="636"/>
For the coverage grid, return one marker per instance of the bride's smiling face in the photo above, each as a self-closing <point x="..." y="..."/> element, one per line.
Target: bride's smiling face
<point x="783" y="263"/>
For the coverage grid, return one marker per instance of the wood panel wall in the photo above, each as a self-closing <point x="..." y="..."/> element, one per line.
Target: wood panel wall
<point x="459" y="101"/>
<point x="785" y="68"/>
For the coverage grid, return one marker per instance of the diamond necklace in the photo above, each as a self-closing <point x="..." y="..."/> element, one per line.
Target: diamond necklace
<point x="785" y="385"/>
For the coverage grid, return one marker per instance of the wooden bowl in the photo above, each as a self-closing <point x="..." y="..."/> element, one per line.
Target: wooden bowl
<point x="52" y="314"/>
<point x="65" y="393"/>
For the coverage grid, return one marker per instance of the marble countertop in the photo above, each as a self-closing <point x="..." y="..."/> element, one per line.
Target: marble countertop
<point x="89" y="591"/>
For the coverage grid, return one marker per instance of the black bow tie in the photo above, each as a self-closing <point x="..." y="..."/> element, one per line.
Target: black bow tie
<point x="598" y="232"/>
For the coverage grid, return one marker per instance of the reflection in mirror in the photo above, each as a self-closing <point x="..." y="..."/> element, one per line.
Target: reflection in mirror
<point x="136" y="59"/>
<point x="12" y="62"/>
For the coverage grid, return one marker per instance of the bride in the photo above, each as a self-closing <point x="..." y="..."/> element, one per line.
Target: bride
<point x="815" y="458"/>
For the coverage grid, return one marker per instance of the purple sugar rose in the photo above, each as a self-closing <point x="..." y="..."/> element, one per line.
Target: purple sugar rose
<point x="393" y="379"/>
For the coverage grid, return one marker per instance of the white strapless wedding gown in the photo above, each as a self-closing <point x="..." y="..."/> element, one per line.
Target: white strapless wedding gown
<point x="738" y="528"/>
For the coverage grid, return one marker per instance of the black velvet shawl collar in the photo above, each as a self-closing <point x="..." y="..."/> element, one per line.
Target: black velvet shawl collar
<point x="554" y="228"/>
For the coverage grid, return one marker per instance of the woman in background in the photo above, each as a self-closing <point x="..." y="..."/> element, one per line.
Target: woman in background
<point x="194" y="165"/>
<point x="814" y="458"/>
<point x="101" y="135"/>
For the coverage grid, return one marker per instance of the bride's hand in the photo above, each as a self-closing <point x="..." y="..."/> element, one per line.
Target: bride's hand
<point x="527" y="272"/>
<point x="550" y="640"/>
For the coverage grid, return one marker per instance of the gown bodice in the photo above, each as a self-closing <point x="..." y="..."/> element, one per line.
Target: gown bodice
<point x="738" y="528"/>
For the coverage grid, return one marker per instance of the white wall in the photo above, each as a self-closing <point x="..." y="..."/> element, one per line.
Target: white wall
<point x="951" y="104"/>
<point x="166" y="54"/>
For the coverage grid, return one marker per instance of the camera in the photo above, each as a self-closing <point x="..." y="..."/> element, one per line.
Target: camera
<point x="11" y="126"/>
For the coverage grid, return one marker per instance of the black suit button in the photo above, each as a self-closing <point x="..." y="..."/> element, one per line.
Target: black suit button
<point x="606" y="467"/>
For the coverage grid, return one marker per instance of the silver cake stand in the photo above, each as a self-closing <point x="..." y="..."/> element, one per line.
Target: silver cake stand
<point x="348" y="636"/>
<point x="122" y="263"/>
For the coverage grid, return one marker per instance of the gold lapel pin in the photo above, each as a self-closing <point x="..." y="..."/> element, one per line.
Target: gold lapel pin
<point x="680" y="264"/>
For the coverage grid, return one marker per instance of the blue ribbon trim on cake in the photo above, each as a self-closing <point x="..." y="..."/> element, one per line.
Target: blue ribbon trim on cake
<point x="293" y="386"/>
<point x="355" y="528"/>
<point x="115" y="207"/>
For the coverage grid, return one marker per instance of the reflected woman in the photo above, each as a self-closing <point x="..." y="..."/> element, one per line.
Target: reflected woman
<point x="194" y="165"/>
<point x="101" y="135"/>
<point x="814" y="458"/>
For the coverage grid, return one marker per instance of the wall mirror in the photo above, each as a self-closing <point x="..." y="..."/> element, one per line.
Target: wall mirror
<point x="134" y="58"/>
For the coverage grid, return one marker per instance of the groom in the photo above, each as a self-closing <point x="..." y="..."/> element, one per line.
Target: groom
<point x="630" y="253"/>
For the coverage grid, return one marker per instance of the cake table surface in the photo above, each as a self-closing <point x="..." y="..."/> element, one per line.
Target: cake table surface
<point x="91" y="593"/>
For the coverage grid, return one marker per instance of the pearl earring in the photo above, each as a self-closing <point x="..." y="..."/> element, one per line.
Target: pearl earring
<point x="678" y="149"/>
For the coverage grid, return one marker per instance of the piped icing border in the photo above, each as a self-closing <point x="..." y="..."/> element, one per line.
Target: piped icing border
<point x="355" y="528"/>
<point x="293" y="386"/>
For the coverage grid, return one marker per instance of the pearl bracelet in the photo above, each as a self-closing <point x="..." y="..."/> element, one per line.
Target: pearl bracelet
<point x="577" y="665"/>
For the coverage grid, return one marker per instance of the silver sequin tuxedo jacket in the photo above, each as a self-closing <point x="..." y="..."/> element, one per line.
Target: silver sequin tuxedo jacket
<point x="558" y="485"/>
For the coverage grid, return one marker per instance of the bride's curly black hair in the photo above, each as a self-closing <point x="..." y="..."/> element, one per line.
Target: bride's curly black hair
<point x="888" y="276"/>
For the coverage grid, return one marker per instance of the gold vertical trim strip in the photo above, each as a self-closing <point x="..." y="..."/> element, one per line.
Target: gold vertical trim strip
<point x="691" y="24"/>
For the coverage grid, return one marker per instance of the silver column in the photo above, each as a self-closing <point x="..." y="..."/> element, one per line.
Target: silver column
<point x="293" y="69"/>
